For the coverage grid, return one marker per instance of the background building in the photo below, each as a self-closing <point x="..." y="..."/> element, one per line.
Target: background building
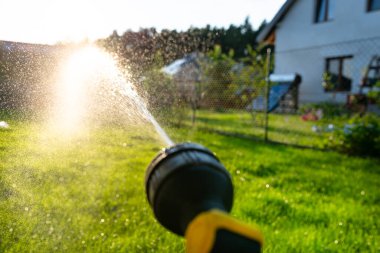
<point x="315" y="37"/>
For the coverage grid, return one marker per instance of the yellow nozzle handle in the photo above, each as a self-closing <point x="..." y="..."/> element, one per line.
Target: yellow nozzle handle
<point x="215" y="231"/>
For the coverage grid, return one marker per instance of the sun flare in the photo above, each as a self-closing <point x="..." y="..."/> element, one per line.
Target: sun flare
<point x="76" y="86"/>
<point x="91" y="90"/>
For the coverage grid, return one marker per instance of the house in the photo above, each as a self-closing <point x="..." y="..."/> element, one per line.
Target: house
<point x="331" y="39"/>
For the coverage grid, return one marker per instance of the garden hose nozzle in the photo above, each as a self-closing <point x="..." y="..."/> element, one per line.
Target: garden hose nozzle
<point x="191" y="194"/>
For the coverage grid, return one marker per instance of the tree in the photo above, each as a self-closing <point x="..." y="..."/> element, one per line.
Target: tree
<point x="217" y="78"/>
<point x="250" y="76"/>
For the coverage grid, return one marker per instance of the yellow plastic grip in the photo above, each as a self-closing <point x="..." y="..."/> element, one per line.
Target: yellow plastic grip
<point x="201" y="233"/>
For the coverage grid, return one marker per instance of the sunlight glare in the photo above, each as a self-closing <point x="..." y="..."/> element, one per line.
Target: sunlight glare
<point x="77" y="84"/>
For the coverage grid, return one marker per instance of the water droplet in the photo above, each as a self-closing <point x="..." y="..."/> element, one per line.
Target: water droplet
<point x="4" y="124"/>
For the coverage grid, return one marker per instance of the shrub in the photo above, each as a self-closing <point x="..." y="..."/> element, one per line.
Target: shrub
<point x="374" y="95"/>
<point x="360" y="137"/>
<point x="330" y="110"/>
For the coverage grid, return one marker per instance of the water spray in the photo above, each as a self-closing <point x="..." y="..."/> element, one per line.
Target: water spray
<point x="191" y="194"/>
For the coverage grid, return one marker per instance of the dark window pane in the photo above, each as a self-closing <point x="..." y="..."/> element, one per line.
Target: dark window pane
<point x="347" y="68"/>
<point x="321" y="11"/>
<point x="334" y="66"/>
<point x="339" y="71"/>
<point x="374" y="5"/>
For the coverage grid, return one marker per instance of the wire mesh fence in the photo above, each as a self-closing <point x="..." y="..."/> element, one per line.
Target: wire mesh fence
<point x="216" y="92"/>
<point x="236" y="99"/>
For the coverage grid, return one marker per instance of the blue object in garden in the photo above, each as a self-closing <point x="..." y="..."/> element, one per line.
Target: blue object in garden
<point x="283" y="84"/>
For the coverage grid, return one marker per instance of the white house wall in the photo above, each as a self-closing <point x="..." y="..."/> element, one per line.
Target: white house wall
<point x="302" y="45"/>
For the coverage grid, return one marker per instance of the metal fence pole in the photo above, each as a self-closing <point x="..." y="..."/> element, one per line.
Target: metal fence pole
<point x="267" y="91"/>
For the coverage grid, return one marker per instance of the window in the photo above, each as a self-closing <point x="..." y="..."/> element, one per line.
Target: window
<point x="324" y="11"/>
<point x="373" y="5"/>
<point x="337" y="76"/>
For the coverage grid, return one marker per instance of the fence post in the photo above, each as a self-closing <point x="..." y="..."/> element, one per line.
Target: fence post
<point x="267" y="91"/>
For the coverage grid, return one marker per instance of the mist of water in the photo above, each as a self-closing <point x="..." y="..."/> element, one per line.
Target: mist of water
<point x="92" y="86"/>
<point x="57" y="166"/>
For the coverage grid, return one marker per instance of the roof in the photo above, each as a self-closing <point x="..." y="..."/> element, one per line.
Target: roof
<point x="174" y="67"/>
<point x="177" y="66"/>
<point x="267" y="31"/>
<point x="9" y="46"/>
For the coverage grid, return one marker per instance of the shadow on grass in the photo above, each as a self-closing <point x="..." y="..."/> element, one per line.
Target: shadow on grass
<point x="247" y="129"/>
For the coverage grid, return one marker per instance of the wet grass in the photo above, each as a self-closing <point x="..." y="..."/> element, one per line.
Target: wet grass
<point x="304" y="200"/>
<point x="86" y="194"/>
<point x="284" y="128"/>
<point x="78" y="194"/>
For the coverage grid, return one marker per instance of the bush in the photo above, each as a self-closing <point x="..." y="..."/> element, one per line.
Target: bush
<point x="360" y="137"/>
<point x="374" y="95"/>
<point x="330" y="110"/>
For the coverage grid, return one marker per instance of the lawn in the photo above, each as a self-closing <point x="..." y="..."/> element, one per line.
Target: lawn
<point x="283" y="128"/>
<point x="86" y="193"/>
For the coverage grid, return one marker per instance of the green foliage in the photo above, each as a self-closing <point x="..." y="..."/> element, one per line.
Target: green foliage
<point x="237" y="38"/>
<point x="327" y="83"/>
<point x="217" y="79"/>
<point x="232" y="84"/>
<point x="374" y="95"/>
<point x="250" y="76"/>
<point x="158" y="86"/>
<point x="137" y="49"/>
<point x="360" y="137"/>
<point x="161" y="92"/>
<point x="330" y="110"/>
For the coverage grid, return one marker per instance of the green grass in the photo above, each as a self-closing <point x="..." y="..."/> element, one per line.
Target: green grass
<point x="284" y="128"/>
<point x="86" y="193"/>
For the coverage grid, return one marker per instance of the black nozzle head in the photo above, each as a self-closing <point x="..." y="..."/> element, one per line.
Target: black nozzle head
<point x="185" y="180"/>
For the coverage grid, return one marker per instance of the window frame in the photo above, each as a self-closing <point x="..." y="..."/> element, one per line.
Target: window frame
<point x="317" y="11"/>
<point x="339" y="86"/>
<point x="369" y="6"/>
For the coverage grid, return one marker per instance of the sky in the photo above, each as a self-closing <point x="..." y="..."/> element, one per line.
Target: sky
<point x="52" y="21"/>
